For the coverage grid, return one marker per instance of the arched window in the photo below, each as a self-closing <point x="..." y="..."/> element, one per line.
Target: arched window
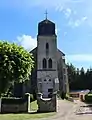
<point x="50" y="63"/>
<point x="47" y="48"/>
<point x="44" y="63"/>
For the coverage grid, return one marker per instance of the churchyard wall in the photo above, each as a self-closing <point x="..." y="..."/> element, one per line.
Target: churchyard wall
<point x="47" y="104"/>
<point x="15" y="105"/>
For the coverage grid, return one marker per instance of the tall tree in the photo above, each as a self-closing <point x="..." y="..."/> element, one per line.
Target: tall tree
<point x="15" y="65"/>
<point x="71" y="72"/>
<point x="79" y="79"/>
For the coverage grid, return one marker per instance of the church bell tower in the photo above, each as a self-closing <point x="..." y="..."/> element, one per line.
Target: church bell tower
<point x="46" y="58"/>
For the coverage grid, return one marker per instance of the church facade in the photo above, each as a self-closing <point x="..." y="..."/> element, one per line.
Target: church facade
<point x="50" y="71"/>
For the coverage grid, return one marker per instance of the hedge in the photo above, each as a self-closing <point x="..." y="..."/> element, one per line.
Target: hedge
<point x="88" y="98"/>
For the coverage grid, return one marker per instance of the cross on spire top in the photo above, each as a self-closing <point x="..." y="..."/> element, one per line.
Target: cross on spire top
<point x="46" y="13"/>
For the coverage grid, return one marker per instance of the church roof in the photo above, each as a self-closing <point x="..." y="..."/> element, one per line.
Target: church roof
<point x="34" y="51"/>
<point x="62" y="54"/>
<point x="59" y="53"/>
<point x="46" y="27"/>
<point x="46" y="21"/>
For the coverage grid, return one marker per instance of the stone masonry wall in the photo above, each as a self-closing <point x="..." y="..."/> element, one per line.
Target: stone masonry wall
<point x="47" y="104"/>
<point x="15" y="105"/>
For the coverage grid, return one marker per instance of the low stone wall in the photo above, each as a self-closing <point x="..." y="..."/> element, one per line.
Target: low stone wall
<point x="14" y="108"/>
<point x="15" y="105"/>
<point x="74" y="95"/>
<point x="47" y="104"/>
<point x="70" y="99"/>
<point x="0" y="105"/>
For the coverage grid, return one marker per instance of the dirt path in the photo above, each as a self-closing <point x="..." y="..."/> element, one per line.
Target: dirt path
<point x="68" y="111"/>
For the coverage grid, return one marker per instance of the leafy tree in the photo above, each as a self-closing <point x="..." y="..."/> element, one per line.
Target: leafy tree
<point x="15" y="65"/>
<point x="89" y="79"/>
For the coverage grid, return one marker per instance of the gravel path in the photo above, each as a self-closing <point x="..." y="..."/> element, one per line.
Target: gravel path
<point x="70" y="111"/>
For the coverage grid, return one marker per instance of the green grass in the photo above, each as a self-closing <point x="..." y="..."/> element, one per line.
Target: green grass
<point x="89" y="94"/>
<point x="29" y="116"/>
<point x="34" y="106"/>
<point x="25" y="116"/>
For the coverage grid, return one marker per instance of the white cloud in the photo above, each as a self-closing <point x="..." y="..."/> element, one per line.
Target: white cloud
<point x="79" y="11"/>
<point x="75" y="23"/>
<point x="79" y="58"/>
<point x="84" y="18"/>
<point x="57" y="30"/>
<point x="78" y="22"/>
<point x="27" y="42"/>
<point x="74" y="8"/>
<point x="59" y="8"/>
<point x="67" y="12"/>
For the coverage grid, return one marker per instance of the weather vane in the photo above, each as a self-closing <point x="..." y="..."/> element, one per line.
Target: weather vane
<point x="46" y="13"/>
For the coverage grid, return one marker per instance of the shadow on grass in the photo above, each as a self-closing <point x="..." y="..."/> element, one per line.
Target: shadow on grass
<point x="34" y="112"/>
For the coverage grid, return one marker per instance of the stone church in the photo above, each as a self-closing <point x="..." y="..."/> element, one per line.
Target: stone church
<point x="50" y="71"/>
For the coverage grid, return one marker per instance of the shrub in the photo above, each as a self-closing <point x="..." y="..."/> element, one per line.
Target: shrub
<point x="67" y="96"/>
<point x="16" y="65"/>
<point x="63" y="95"/>
<point x="88" y="98"/>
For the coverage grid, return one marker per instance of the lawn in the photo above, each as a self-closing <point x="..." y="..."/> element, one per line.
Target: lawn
<point x="28" y="116"/>
<point x="34" y="106"/>
<point x="25" y="116"/>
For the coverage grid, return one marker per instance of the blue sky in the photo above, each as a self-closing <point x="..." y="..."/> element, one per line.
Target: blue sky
<point x="73" y="18"/>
